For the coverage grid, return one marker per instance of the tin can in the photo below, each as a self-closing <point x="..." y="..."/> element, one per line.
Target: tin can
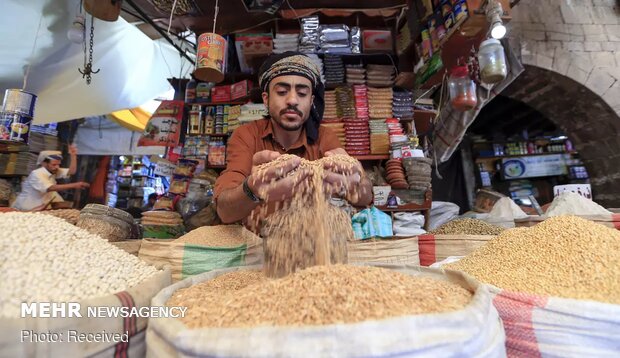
<point x="18" y="101"/>
<point x="211" y="58"/>
<point x="14" y="127"/>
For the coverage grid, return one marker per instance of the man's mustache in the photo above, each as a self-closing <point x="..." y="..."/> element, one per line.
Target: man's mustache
<point x="291" y="109"/>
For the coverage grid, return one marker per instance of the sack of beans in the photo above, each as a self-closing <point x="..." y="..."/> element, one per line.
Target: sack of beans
<point x="435" y="248"/>
<point x="555" y="286"/>
<point x="204" y="249"/>
<point x="328" y="311"/>
<point x="47" y="260"/>
<point x="109" y="223"/>
<point x="392" y="250"/>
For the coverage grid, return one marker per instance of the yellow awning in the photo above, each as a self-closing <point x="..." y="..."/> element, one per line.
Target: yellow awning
<point x="134" y="119"/>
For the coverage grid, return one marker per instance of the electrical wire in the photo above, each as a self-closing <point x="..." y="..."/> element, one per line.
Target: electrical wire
<point x="174" y="5"/>
<point x="34" y="47"/>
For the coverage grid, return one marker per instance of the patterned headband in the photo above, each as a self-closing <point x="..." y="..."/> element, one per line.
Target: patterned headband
<point x="293" y="65"/>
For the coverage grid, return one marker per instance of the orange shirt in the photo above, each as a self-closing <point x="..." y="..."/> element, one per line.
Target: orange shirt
<point x="255" y="137"/>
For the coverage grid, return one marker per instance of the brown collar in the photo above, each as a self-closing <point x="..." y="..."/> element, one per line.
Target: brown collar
<point x="267" y="130"/>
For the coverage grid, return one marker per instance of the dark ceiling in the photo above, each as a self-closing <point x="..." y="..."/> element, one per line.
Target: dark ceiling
<point x="233" y="16"/>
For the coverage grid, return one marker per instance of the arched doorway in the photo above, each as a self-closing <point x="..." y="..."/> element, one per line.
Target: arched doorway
<point x="592" y="125"/>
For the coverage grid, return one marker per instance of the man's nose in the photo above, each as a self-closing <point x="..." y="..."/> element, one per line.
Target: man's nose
<point x="292" y="99"/>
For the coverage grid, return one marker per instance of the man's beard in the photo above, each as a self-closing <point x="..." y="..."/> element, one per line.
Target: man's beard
<point x="282" y="124"/>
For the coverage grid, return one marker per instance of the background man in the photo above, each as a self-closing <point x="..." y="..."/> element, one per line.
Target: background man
<point x="40" y="188"/>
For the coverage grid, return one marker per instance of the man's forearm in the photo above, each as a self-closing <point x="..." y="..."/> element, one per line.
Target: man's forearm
<point x="61" y="187"/>
<point x="233" y="205"/>
<point x="73" y="165"/>
<point x="364" y="194"/>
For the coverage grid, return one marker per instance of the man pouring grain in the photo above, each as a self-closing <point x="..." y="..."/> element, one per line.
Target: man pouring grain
<point x="41" y="188"/>
<point x="293" y="94"/>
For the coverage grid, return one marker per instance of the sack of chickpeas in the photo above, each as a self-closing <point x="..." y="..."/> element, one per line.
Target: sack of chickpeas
<point x="556" y="286"/>
<point x="63" y="288"/>
<point x="328" y="311"/>
<point x="204" y="249"/>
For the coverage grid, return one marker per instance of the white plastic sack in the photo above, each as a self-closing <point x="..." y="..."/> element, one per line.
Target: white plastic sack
<point x="442" y="212"/>
<point x="408" y="224"/>
<point x="12" y="345"/>
<point x="539" y="326"/>
<point x="474" y="331"/>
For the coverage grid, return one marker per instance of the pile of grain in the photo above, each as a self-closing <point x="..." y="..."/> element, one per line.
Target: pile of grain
<point x="467" y="227"/>
<point x="217" y="236"/>
<point x="46" y="259"/>
<point x="569" y="203"/>
<point x="69" y="215"/>
<point x="564" y="256"/>
<point x="315" y="296"/>
<point x="158" y="218"/>
<point x="307" y="231"/>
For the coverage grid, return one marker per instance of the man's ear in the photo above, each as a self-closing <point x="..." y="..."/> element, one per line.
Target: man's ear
<point x="266" y="98"/>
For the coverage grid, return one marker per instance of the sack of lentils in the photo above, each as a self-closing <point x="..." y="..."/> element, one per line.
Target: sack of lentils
<point x="45" y="259"/>
<point x="556" y="287"/>
<point x="204" y="249"/>
<point x="328" y="311"/>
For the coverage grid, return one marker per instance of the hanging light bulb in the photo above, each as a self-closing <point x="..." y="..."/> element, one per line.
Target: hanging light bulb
<point x="77" y="30"/>
<point x="494" y="16"/>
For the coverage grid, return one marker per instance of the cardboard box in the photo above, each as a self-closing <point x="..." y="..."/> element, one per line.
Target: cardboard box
<point x="240" y="89"/>
<point x="220" y="94"/>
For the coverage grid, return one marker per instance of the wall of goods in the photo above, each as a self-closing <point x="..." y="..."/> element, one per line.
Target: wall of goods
<point x="131" y="180"/>
<point x="521" y="167"/>
<point x="374" y="119"/>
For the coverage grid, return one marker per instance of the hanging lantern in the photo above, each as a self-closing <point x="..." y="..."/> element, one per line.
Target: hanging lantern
<point x="107" y="10"/>
<point x="462" y="89"/>
<point x="211" y="58"/>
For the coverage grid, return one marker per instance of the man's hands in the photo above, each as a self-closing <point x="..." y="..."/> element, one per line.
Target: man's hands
<point x="340" y="177"/>
<point x="285" y="177"/>
<point x="73" y="151"/>
<point x="81" y="185"/>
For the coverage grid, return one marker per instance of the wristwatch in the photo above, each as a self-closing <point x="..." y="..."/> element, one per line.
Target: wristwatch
<point x="248" y="192"/>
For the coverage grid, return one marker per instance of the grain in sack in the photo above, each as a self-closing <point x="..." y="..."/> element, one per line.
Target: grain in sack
<point x="390" y="310"/>
<point x="46" y="259"/>
<point x="556" y="287"/>
<point x="204" y="249"/>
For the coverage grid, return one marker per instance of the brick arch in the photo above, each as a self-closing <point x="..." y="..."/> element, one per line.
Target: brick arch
<point x="589" y="121"/>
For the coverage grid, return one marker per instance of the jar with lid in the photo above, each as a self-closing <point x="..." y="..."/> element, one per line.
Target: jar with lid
<point x="462" y="89"/>
<point x="492" y="61"/>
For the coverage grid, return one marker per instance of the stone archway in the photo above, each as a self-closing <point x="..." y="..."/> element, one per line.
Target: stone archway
<point x="591" y="123"/>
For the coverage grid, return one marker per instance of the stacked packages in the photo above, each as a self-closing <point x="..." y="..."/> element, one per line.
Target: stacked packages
<point x="285" y="42"/>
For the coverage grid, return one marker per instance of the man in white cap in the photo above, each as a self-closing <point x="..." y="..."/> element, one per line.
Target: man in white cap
<point x="40" y="188"/>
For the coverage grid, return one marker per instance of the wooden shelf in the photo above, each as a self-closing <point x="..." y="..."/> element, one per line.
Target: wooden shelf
<point x="372" y="157"/>
<point x="406" y="207"/>
<point x="213" y="104"/>
<point x="222" y="135"/>
<point x="13" y="175"/>
<point x="523" y="155"/>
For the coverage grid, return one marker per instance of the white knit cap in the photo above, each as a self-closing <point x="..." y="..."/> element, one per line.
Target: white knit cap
<point x="46" y="154"/>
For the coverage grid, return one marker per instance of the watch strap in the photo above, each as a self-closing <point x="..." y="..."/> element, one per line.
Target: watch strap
<point x="248" y="192"/>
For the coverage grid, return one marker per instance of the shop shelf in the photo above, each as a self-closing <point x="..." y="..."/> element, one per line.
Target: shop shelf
<point x="372" y="157"/>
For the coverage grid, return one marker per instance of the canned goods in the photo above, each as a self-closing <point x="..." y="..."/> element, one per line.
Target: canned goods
<point x="18" y="101"/>
<point x="14" y="127"/>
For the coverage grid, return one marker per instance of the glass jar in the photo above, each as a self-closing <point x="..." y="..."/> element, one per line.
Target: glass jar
<point x="462" y="89"/>
<point x="492" y="61"/>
